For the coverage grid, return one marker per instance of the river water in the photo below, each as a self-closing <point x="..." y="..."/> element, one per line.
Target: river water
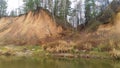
<point x="43" y="62"/>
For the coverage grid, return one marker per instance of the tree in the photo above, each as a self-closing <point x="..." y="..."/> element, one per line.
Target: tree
<point x="3" y="7"/>
<point x="90" y="12"/>
<point x="51" y="5"/>
<point x="103" y="4"/>
<point x="79" y="12"/>
<point x="31" y="4"/>
<point x="62" y="9"/>
<point x="12" y="13"/>
<point x="55" y="10"/>
<point x="87" y="10"/>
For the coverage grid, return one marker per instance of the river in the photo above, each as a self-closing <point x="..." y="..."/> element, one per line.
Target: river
<point x="44" y="62"/>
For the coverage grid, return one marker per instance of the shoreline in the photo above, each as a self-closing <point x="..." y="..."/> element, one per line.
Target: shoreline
<point x="31" y="51"/>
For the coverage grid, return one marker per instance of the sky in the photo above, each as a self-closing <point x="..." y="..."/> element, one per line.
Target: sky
<point x="13" y="4"/>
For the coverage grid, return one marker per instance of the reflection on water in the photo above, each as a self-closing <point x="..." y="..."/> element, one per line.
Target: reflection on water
<point x="15" y="62"/>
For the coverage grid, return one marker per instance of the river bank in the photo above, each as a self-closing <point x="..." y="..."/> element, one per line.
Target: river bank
<point x="12" y="50"/>
<point x="31" y="51"/>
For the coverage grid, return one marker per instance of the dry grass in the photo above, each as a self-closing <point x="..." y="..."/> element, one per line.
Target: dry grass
<point x="60" y="46"/>
<point x="115" y="53"/>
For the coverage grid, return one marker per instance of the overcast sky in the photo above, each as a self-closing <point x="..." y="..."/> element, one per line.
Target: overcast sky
<point x="13" y="4"/>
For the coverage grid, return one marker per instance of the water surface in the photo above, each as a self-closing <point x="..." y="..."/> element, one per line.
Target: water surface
<point x="38" y="62"/>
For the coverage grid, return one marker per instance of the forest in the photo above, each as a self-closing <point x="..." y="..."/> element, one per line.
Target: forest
<point x="75" y="12"/>
<point x="61" y="28"/>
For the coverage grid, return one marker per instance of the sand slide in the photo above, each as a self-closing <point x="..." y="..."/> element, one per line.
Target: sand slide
<point x="113" y="26"/>
<point x="29" y="28"/>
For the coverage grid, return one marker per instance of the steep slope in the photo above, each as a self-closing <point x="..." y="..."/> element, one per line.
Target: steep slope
<point x="110" y="18"/>
<point x="30" y="28"/>
<point x="109" y="13"/>
<point x="113" y="27"/>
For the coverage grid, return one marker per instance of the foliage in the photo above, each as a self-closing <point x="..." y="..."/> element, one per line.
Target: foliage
<point x="90" y="10"/>
<point x="3" y="7"/>
<point x="31" y="4"/>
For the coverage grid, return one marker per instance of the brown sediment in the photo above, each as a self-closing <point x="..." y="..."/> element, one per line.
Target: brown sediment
<point x="30" y="28"/>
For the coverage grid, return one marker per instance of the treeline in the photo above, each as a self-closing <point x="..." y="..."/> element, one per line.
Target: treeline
<point x="76" y="12"/>
<point x="3" y="8"/>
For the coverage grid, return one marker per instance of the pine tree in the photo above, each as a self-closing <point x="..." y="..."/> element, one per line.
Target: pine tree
<point x="31" y="4"/>
<point x="90" y="10"/>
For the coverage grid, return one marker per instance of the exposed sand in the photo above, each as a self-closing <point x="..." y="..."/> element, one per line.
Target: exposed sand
<point x="29" y="28"/>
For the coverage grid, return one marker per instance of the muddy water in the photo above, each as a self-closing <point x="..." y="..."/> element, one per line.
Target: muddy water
<point x="38" y="62"/>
